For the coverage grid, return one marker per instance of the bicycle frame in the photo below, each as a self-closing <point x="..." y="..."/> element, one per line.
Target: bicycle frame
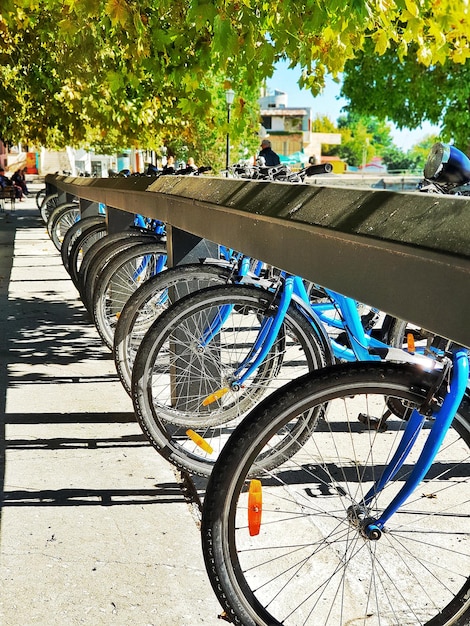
<point x="442" y="417"/>
<point x="159" y="229"/>
<point x="360" y="340"/>
<point x="362" y="346"/>
<point x="294" y="290"/>
<point x="161" y="262"/>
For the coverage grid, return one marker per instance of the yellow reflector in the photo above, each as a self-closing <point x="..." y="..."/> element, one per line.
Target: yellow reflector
<point x="215" y="396"/>
<point x="118" y="314"/>
<point x="410" y="340"/>
<point x="255" y="507"/>
<point x="200" y="441"/>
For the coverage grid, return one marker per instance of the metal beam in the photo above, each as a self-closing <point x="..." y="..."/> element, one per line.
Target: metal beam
<point x="406" y="253"/>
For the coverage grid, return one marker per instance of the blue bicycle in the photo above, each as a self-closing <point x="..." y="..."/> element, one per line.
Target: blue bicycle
<point x="212" y="356"/>
<point x="363" y="525"/>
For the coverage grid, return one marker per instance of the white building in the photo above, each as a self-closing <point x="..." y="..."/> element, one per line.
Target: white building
<point x="290" y="128"/>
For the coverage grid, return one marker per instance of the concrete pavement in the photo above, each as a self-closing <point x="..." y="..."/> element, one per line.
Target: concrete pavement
<point x="95" y="526"/>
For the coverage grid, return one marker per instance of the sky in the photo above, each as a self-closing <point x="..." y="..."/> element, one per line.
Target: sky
<point x="329" y="103"/>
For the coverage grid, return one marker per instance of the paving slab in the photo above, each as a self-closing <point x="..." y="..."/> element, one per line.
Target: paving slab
<point x="95" y="527"/>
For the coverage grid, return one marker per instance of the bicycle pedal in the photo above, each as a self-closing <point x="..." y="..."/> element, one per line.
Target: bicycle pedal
<point x="372" y="423"/>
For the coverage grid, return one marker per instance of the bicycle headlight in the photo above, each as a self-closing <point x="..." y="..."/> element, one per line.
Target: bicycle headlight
<point x="447" y="164"/>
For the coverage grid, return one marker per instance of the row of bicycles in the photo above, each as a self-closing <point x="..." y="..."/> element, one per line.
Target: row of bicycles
<point x="334" y="438"/>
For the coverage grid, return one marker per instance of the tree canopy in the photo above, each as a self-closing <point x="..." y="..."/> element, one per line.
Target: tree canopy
<point x="409" y="92"/>
<point x="366" y="136"/>
<point x="102" y="73"/>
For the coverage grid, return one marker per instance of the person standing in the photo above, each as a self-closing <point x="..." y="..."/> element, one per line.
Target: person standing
<point x="270" y="157"/>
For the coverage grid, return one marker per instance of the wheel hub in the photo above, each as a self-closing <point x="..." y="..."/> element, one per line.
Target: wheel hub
<point x="359" y="518"/>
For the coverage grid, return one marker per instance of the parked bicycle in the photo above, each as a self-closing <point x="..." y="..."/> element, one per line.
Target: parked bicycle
<point x="368" y="522"/>
<point x="157" y="294"/>
<point x="216" y="353"/>
<point x="279" y="173"/>
<point x="363" y="525"/>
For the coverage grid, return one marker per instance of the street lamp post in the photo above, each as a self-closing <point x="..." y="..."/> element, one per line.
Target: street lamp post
<point x="364" y="154"/>
<point x="229" y="96"/>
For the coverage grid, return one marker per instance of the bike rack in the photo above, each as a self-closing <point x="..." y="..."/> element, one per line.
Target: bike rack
<point x="405" y="253"/>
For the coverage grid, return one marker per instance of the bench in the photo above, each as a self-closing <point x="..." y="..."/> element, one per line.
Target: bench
<point x="7" y="194"/>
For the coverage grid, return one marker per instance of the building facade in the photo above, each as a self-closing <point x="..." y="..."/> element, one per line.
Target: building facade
<point x="290" y="129"/>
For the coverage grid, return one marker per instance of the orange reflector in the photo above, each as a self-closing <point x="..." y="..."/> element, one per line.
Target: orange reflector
<point x="215" y="396"/>
<point x="118" y="315"/>
<point x="410" y="340"/>
<point x="255" y="507"/>
<point x="200" y="441"/>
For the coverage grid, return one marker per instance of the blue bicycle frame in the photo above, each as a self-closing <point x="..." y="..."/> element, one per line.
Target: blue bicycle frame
<point x="350" y="321"/>
<point x="294" y="290"/>
<point x="442" y="419"/>
<point x="362" y="346"/>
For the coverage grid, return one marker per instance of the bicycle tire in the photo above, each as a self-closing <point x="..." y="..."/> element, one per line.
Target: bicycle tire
<point x="97" y="248"/>
<point x="40" y="195"/>
<point x="172" y="376"/>
<point x="118" y="281"/>
<point x="49" y="203"/>
<point x="60" y="220"/>
<point x="57" y="210"/>
<point x="81" y="246"/>
<point x="318" y="568"/>
<point x="108" y="240"/>
<point x="399" y="329"/>
<point x="149" y="301"/>
<point x="74" y="232"/>
<point x="89" y="274"/>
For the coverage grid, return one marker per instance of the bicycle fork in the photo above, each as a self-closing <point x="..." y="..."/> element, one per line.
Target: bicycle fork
<point x="357" y="514"/>
<point x="146" y="260"/>
<point x="265" y="340"/>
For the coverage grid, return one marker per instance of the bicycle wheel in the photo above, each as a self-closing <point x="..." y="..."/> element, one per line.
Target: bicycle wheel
<point x="97" y="248"/>
<point x="306" y="562"/>
<point x="118" y="281"/>
<point x="74" y="232"/>
<point x="49" y="203"/>
<point x="89" y="272"/>
<point x="81" y="246"/>
<point x="40" y="195"/>
<point x="149" y="301"/>
<point x="108" y="241"/>
<point x="60" y="220"/>
<point x="399" y="330"/>
<point x="174" y="374"/>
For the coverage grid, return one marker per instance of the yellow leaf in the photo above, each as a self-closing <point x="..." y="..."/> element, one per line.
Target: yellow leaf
<point x="415" y="28"/>
<point x="460" y="54"/>
<point x="412" y="8"/>
<point x="440" y="55"/>
<point x="118" y="11"/>
<point x="381" y="41"/>
<point x="406" y="16"/>
<point x="424" y="56"/>
<point x="402" y="50"/>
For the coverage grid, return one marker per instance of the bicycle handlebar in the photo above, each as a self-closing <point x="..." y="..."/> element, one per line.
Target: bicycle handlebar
<point x="321" y="168"/>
